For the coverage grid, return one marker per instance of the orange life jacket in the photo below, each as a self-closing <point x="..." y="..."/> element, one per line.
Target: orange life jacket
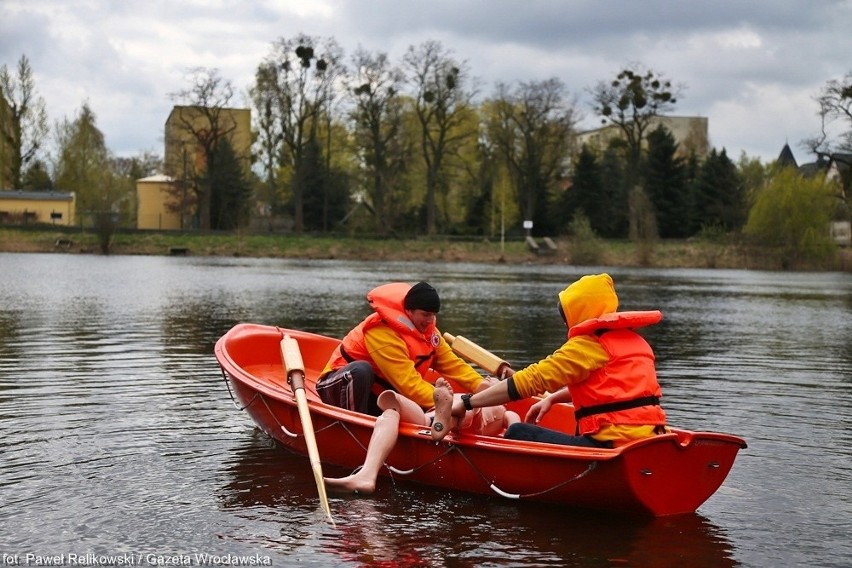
<point x="625" y="390"/>
<point x="387" y="300"/>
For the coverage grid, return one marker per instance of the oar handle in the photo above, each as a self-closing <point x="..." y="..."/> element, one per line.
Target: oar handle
<point x="473" y="353"/>
<point x="294" y="367"/>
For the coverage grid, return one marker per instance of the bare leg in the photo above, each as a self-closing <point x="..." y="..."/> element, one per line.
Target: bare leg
<point x="510" y="418"/>
<point x="409" y="411"/>
<point x="444" y="419"/>
<point x="385" y="434"/>
<point x="493" y="421"/>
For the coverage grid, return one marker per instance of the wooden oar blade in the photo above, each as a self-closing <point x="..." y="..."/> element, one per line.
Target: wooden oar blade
<point x="294" y="368"/>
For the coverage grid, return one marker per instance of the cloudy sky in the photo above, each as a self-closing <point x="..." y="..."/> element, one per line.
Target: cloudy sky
<point x="753" y="67"/>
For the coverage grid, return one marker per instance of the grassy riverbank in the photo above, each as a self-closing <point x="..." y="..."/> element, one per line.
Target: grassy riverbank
<point x="661" y="254"/>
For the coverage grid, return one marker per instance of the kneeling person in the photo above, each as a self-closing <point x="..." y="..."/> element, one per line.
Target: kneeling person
<point x="381" y="368"/>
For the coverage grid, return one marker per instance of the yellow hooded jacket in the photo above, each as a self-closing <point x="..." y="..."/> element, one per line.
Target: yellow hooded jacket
<point x="599" y="369"/>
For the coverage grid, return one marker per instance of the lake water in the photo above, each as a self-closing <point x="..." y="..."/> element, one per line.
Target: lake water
<point x="120" y="444"/>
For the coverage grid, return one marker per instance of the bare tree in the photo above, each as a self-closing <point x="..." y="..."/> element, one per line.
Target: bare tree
<point x="379" y="129"/>
<point x="442" y="102"/>
<point x="204" y="119"/>
<point x="85" y="166"/>
<point x="82" y="160"/>
<point x="632" y="101"/>
<point x="267" y="126"/>
<point x="300" y="76"/>
<point x="532" y="127"/>
<point x="145" y="164"/>
<point x="23" y="121"/>
<point x="835" y="104"/>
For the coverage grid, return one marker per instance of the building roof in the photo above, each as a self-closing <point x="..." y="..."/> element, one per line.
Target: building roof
<point x="786" y="158"/>
<point x="158" y="178"/>
<point x="37" y="195"/>
<point x="662" y="118"/>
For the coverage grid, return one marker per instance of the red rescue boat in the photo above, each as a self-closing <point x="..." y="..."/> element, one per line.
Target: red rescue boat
<point x="665" y="475"/>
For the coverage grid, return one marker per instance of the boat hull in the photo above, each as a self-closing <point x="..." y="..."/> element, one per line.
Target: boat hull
<point x="665" y="475"/>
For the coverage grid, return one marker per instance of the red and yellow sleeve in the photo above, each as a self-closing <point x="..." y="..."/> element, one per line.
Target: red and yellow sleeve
<point x="451" y="366"/>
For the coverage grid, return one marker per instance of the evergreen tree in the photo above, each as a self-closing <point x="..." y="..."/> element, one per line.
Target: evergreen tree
<point x="83" y="164"/>
<point x="37" y="178"/>
<point x="317" y="182"/>
<point x="666" y="185"/>
<point x="615" y="224"/>
<point x="719" y="193"/>
<point x="86" y="167"/>
<point x="586" y="194"/>
<point x="230" y="191"/>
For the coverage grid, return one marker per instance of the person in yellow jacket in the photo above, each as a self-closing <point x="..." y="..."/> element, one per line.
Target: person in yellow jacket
<point x="604" y="367"/>
<point x="383" y="368"/>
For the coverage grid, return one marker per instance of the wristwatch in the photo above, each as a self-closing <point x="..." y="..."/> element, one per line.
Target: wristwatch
<point x="465" y="398"/>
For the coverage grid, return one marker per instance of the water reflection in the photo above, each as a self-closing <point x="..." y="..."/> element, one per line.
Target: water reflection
<point x="406" y="525"/>
<point x="118" y="433"/>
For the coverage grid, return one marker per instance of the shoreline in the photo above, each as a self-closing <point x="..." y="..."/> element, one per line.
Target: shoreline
<point x="659" y="254"/>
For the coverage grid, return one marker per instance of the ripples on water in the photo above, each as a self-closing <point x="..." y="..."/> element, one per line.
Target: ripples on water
<point x="119" y="436"/>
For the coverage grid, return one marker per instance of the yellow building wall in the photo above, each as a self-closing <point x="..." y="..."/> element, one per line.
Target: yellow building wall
<point x="185" y="160"/>
<point x="183" y="155"/>
<point x="152" y="195"/>
<point x="37" y="207"/>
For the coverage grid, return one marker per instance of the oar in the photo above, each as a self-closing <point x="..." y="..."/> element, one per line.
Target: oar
<point x="473" y="353"/>
<point x="295" y="370"/>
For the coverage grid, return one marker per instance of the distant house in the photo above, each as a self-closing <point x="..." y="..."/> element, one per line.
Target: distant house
<point x="690" y="133"/>
<point x="153" y="195"/>
<point x="27" y="207"/>
<point x="786" y="158"/>
<point x="835" y="167"/>
<point x="162" y="202"/>
<point x="840" y="168"/>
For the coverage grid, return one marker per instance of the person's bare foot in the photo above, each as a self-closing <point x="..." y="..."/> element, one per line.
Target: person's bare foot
<point x="350" y="484"/>
<point x="443" y="397"/>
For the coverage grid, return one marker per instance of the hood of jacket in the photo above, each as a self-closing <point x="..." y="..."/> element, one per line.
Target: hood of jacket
<point x="589" y="297"/>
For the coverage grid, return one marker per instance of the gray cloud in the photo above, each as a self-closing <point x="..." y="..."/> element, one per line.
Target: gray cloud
<point x="752" y="67"/>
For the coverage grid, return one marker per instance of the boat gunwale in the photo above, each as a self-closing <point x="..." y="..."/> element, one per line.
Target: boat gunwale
<point x="283" y="394"/>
